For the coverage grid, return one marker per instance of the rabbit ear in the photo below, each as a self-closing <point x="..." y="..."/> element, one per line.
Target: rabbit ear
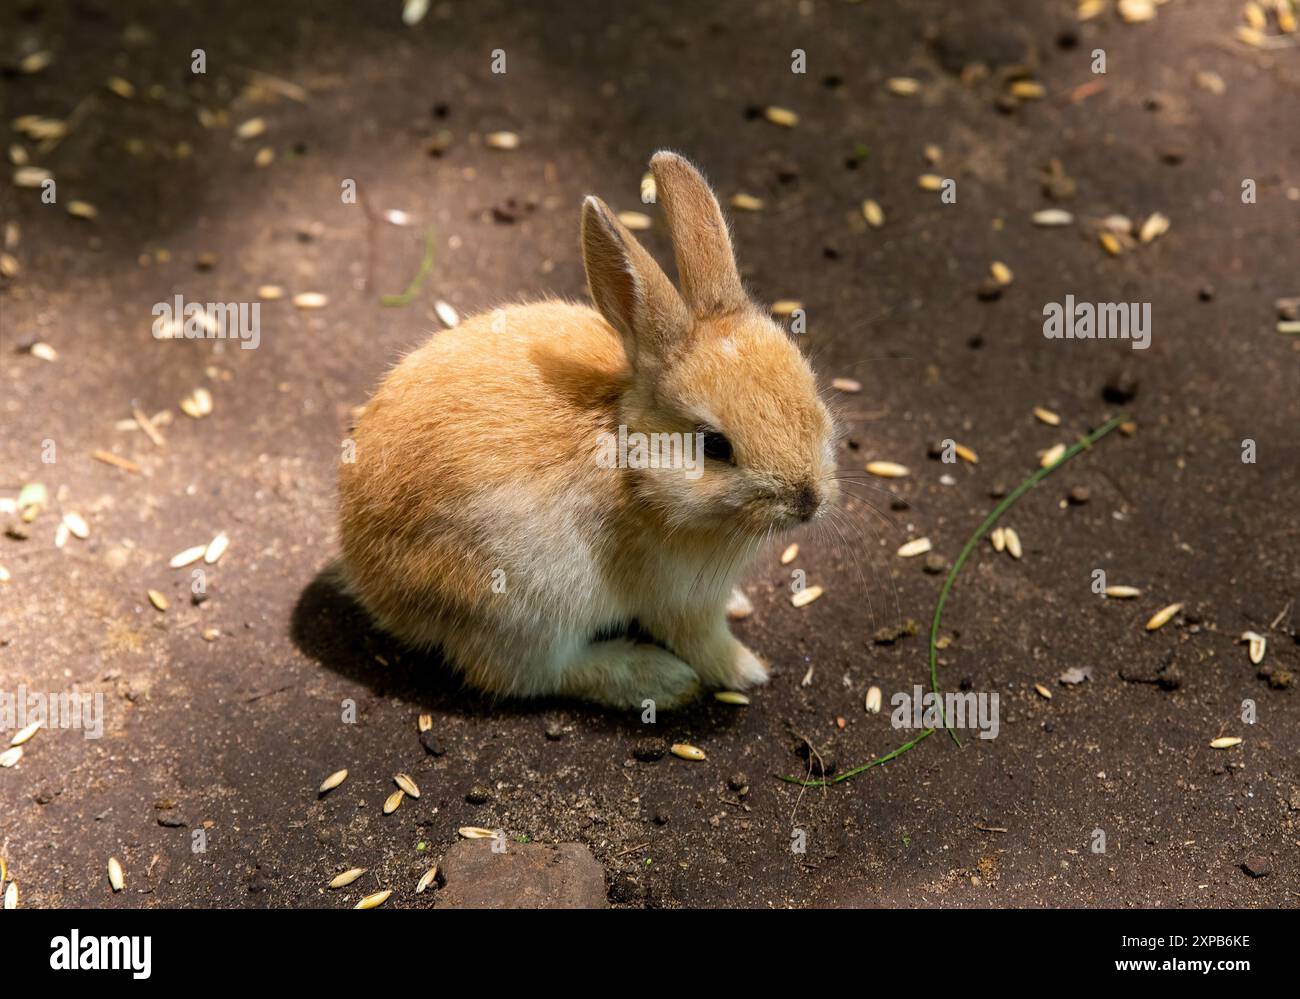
<point x="629" y="288"/>
<point x="706" y="263"/>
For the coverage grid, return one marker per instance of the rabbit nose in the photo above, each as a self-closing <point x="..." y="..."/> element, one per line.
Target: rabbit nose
<point x="806" y="502"/>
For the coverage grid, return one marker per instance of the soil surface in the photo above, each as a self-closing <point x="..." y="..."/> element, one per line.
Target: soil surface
<point x="204" y="784"/>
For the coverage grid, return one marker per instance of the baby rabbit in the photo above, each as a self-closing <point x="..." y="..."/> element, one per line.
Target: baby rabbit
<point x="483" y="514"/>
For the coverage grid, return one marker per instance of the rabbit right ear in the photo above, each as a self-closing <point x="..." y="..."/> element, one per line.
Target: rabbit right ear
<point x="706" y="263"/>
<point x="629" y="288"/>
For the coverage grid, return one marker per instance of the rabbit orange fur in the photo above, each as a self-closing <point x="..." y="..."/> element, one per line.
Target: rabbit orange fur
<point x="478" y="453"/>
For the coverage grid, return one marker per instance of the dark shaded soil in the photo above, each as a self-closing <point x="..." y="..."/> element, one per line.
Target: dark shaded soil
<point x="233" y="736"/>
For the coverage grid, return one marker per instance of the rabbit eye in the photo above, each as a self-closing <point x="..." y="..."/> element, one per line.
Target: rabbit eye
<point x="716" y="445"/>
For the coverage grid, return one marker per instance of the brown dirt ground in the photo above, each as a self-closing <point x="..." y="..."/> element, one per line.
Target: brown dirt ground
<point x="236" y="734"/>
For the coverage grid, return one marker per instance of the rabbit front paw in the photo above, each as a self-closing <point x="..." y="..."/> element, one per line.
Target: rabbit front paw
<point x="729" y="665"/>
<point x="748" y="670"/>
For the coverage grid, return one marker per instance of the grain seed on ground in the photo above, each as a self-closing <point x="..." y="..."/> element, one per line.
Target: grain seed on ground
<point x="781" y="116"/>
<point x="1155" y="226"/>
<point x="11" y="895"/>
<point x="872" y="212"/>
<point x="790" y="554"/>
<point x="1257" y="646"/>
<point x="929" y="182"/>
<point x="635" y="221"/>
<point x="115" y="877"/>
<point x="424" y="723"/>
<point x="998" y="538"/>
<point x="188" y="557"/>
<point x="1053" y="217"/>
<point x="730" y="697"/>
<point x="10" y="757"/>
<point x="1136" y="11"/>
<point x="746" y="202"/>
<point x="76" y="524"/>
<point x="502" y="140"/>
<point x="159" y="601"/>
<point x="1119" y="592"/>
<point x="888" y="469"/>
<point x="902" y="86"/>
<point x="1226" y="742"/>
<point x="849" y="386"/>
<point x="1001" y="273"/>
<point x="1013" y="542"/>
<point x="123" y="88"/>
<point x="251" y="128"/>
<point x="786" y="306"/>
<point x="31" y="176"/>
<point x="404" y="781"/>
<point x="42" y="350"/>
<point x="347" y="877"/>
<point x="197" y="404"/>
<point x="1162" y="617"/>
<point x="25" y="733"/>
<point x="685" y="751"/>
<point x="966" y="454"/>
<point x="333" y="780"/>
<point x="1043" y="692"/>
<point x="82" y="210"/>
<point x="393" y="800"/>
<point x="448" y="315"/>
<point x="375" y="900"/>
<point x="1052" y="455"/>
<point x="310" y="300"/>
<point x="917" y="546"/>
<point x="1047" y="416"/>
<point x="426" y="879"/>
<point x="476" y="832"/>
<point x="216" y="548"/>
<point x="873" y="700"/>
<point x="806" y="596"/>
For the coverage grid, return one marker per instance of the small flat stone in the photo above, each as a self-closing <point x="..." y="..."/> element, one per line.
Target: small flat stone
<point x="525" y="876"/>
<point x="431" y="744"/>
<point x="1257" y="866"/>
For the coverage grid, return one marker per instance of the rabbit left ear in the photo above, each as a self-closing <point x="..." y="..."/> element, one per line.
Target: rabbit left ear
<point x="706" y="263"/>
<point x="629" y="288"/>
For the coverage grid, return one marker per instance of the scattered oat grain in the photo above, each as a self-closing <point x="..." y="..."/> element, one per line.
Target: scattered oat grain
<point x="1162" y="617"/>
<point x="917" y="546"/>
<point x="806" y="596"/>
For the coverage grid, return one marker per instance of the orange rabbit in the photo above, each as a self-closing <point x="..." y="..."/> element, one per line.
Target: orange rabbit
<point x="484" y="515"/>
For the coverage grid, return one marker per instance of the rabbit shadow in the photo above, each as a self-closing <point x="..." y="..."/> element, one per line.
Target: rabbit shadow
<point x="329" y="627"/>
